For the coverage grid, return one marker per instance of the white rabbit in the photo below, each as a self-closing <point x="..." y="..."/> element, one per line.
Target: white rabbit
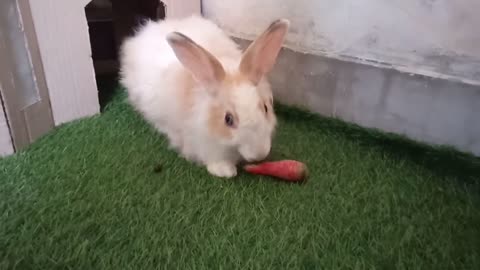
<point x="193" y="84"/>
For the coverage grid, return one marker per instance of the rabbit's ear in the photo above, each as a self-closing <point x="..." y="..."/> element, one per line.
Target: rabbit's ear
<point x="202" y="64"/>
<point x="261" y="55"/>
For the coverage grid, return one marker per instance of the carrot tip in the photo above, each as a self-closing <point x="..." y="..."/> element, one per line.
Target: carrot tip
<point x="304" y="173"/>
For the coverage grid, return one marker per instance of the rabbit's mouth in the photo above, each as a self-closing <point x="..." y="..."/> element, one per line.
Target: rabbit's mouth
<point x="273" y="155"/>
<point x="253" y="156"/>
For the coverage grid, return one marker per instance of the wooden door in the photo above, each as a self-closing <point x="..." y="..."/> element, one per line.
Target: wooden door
<point x="6" y="146"/>
<point x="23" y="89"/>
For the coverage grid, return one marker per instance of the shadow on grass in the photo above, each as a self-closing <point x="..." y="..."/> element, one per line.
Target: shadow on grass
<point x="442" y="161"/>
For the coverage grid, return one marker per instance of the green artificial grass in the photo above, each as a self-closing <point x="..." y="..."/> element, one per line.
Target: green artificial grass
<point x="86" y="197"/>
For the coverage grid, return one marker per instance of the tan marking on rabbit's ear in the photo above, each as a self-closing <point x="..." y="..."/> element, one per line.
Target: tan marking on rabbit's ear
<point x="202" y="64"/>
<point x="185" y="92"/>
<point x="261" y="55"/>
<point x="216" y="122"/>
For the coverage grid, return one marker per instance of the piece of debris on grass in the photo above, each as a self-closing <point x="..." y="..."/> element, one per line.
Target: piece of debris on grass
<point x="158" y="168"/>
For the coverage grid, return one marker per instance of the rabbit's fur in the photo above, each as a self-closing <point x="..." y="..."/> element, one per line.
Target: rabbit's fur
<point x="193" y="84"/>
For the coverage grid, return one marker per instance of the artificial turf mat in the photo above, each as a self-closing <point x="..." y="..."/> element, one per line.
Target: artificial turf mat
<point x="85" y="197"/>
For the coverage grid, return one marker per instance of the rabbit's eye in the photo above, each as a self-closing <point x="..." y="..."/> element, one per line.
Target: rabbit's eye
<point x="265" y="107"/>
<point x="229" y="121"/>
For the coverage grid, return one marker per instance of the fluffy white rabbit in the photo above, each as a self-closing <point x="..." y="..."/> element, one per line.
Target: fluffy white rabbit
<point x="193" y="84"/>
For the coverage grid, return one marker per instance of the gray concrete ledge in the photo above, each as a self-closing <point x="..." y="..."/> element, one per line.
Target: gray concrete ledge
<point x="429" y="110"/>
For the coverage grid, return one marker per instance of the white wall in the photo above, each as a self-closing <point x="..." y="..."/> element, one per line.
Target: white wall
<point x="64" y="45"/>
<point x="439" y="38"/>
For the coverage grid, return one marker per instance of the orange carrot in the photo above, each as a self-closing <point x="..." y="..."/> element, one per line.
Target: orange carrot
<point x="289" y="170"/>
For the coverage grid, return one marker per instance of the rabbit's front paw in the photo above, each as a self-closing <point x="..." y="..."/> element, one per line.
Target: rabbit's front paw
<point x="222" y="169"/>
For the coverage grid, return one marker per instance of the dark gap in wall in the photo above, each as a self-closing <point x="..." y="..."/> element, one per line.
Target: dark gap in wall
<point x="109" y="22"/>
